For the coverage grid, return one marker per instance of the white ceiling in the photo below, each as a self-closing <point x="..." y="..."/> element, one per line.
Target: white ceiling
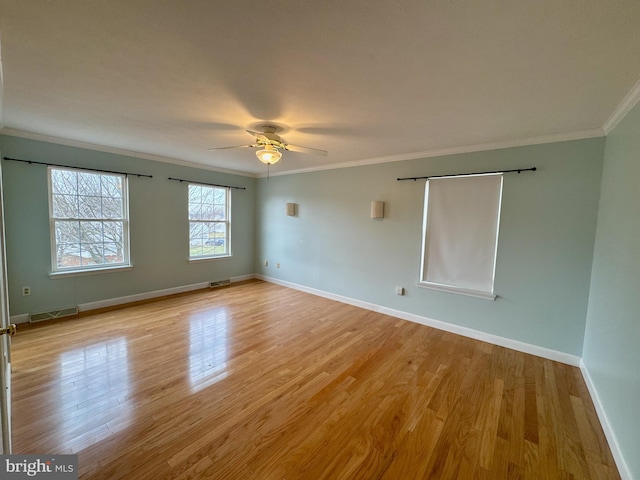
<point x="366" y="80"/>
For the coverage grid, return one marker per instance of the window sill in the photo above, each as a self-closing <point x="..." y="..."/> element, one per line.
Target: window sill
<point x="206" y="259"/>
<point x="458" y="290"/>
<point x="93" y="271"/>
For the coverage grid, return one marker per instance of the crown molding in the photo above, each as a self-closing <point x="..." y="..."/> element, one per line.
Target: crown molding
<point x="442" y="152"/>
<point x="625" y="106"/>
<point x="554" y="138"/>
<point x="118" y="151"/>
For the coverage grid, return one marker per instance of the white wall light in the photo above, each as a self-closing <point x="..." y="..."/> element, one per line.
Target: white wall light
<point x="377" y="209"/>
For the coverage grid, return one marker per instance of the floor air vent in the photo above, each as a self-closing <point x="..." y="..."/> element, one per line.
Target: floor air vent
<point x="51" y="314"/>
<point x="219" y="283"/>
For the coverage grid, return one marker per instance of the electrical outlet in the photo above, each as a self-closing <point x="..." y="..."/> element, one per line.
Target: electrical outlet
<point x="399" y="290"/>
<point x="277" y="265"/>
<point x="266" y="263"/>
<point x="26" y="291"/>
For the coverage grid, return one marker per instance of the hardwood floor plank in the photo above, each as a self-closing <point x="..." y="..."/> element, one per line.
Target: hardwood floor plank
<point x="532" y="466"/>
<point x="490" y="427"/>
<point x="257" y="381"/>
<point x="530" y="401"/>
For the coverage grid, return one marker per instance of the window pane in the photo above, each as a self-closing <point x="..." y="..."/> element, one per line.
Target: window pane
<point x="206" y="212"/>
<point x="67" y="232"/>
<point x="220" y="238"/>
<point x="196" y="232"/>
<point x="111" y="186"/>
<point x="89" y="184"/>
<point x="67" y="238"/>
<point x="113" y="253"/>
<point x="113" y="232"/>
<point x="221" y="230"/>
<point x="90" y="232"/>
<point x="195" y="194"/>
<point x="91" y="253"/>
<point x="68" y="255"/>
<point x="208" y="227"/>
<point x="220" y="196"/>
<point x="64" y="182"/>
<point x="207" y="195"/>
<point x="97" y="202"/>
<point x="65" y="206"/>
<point x="89" y="207"/>
<point x="112" y="207"/>
<point x="219" y="212"/>
<point x="195" y="211"/>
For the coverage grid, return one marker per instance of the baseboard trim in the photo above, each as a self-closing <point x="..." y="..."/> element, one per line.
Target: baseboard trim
<point x="85" y="307"/>
<point x="243" y="278"/>
<point x="536" y="350"/>
<point x="623" y="468"/>
<point x="112" y="302"/>
<point x="120" y="301"/>
<point x="21" y="318"/>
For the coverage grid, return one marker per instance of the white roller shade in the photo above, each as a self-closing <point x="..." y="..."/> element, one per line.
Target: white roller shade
<point x="461" y="232"/>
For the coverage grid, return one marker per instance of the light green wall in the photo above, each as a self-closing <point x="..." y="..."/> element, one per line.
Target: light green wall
<point x="544" y="264"/>
<point x="545" y="248"/>
<point x="158" y="231"/>
<point x="544" y="256"/>
<point x="612" y="338"/>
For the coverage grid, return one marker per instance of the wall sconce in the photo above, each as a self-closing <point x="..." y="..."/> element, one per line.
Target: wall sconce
<point x="291" y="209"/>
<point x="377" y="209"/>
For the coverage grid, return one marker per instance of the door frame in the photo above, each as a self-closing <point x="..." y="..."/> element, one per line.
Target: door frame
<point x="5" y="340"/>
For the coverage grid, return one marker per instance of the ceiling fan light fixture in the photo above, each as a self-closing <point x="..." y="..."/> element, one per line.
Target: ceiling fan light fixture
<point x="269" y="155"/>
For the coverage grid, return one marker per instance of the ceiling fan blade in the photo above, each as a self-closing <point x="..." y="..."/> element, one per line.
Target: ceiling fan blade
<point x="256" y="134"/>
<point x="234" y="146"/>
<point x="298" y="148"/>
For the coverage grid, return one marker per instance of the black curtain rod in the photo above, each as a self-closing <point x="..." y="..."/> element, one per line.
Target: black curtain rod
<point x="532" y="169"/>
<point x="76" y="168"/>
<point x="208" y="184"/>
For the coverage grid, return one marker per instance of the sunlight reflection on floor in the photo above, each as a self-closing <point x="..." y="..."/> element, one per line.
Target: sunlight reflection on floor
<point x="208" y="348"/>
<point x="93" y="387"/>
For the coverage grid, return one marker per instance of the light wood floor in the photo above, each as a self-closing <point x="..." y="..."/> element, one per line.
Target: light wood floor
<point x="257" y="381"/>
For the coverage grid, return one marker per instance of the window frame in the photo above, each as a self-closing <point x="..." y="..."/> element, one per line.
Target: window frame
<point x="226" y="222"/>
<point x="422" y="282"/>
<point x="93" y="268"/>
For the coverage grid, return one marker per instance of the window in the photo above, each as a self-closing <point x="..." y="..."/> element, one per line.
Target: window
<point x="208" y="221"/>
<point x="89" y="220"/>
<point x="460" y="234"/>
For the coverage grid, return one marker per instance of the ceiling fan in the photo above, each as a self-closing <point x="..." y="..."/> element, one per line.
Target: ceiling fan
<point x="270" y="144"/>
